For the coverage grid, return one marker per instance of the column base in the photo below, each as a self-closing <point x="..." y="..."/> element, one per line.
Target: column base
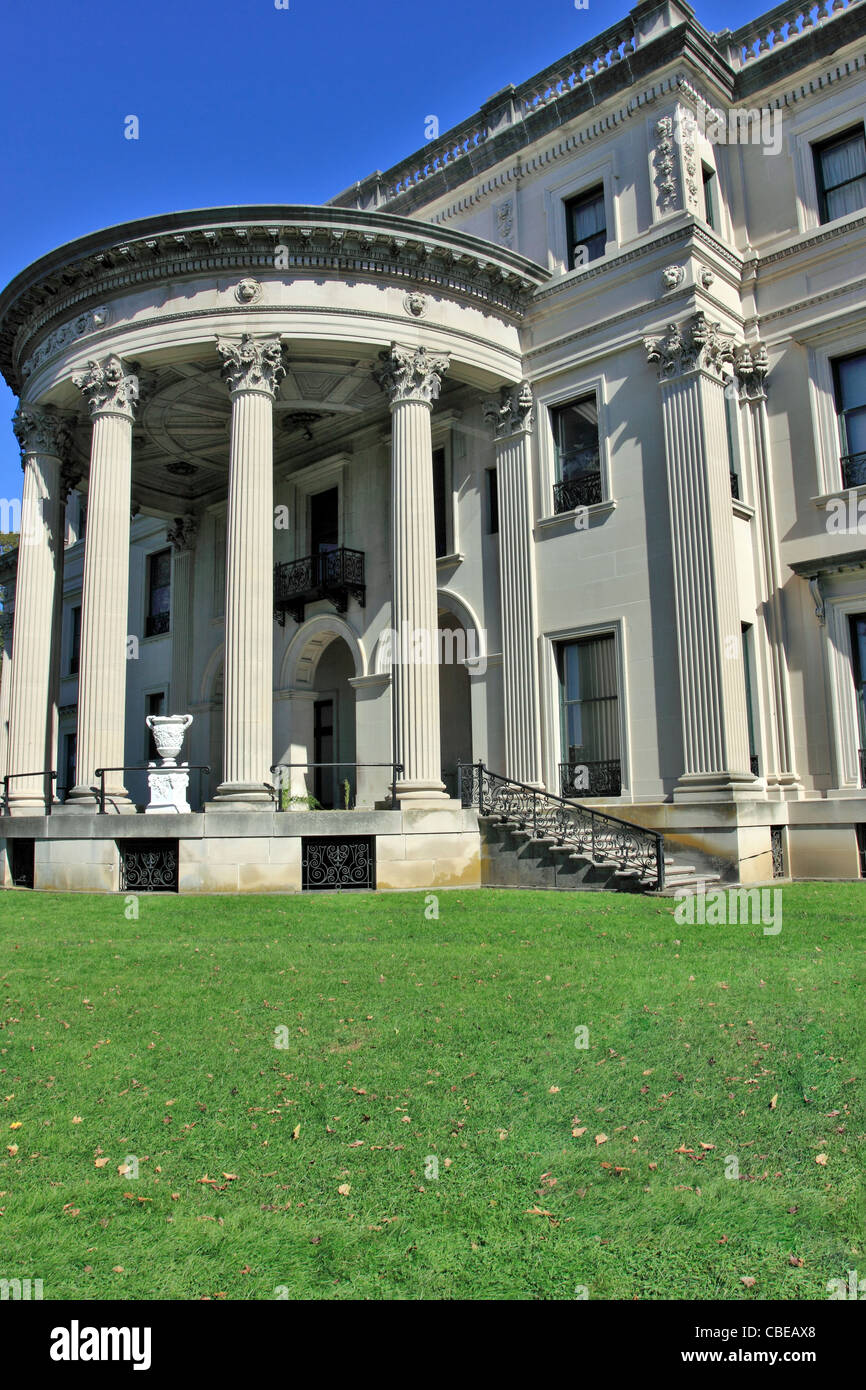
<point x="411" y="794"/>
<point x="720" y="786"/>
<point x="85" y="801"/>
<point x="246" y="796"/>
<point x="25" y="804"/>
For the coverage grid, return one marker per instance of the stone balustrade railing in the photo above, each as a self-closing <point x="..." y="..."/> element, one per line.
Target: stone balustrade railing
<point x="779" y="26"/>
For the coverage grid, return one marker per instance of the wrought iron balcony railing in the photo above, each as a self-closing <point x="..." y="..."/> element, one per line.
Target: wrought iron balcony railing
<point x="591" y="779"/>
<point x="853" y="470"/>
<point x="333" y="575"/>
<point x="582" y="491"/>
<point x="753" y="764"/>
<point x="155" y="624"/>
<point x="594" y="834"/>
<point x="735" y="486"/>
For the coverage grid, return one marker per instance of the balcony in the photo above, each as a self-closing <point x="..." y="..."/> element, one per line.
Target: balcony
<point x="334" y="575"/>
<point x="590" y="779"/>
<point x="853" y="470"/>
<point x="582" y="491"/>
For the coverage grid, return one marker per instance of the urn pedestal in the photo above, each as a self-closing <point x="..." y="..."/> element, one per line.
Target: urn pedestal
<point x="168" y="781"/>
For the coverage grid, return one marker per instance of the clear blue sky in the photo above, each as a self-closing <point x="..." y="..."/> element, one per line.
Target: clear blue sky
<point x="243" y="103"/>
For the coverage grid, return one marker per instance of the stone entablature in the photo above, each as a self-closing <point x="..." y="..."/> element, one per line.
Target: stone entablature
<point x="279" y="243"/>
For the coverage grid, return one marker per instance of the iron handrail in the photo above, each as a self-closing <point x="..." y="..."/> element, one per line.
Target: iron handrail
<point x="49" y="775"/>
<point x="142" y="767"/>
<point x="565" y="815"/>
<point x="395" y="769"/>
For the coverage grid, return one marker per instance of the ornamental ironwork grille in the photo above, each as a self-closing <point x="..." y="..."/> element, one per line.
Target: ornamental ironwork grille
<point x="335" y="575"/>
<point x="778" y="851"/>
<point x="148" y="866"/>
<point x="591" y="779"/>
<point x="338" y="862"/>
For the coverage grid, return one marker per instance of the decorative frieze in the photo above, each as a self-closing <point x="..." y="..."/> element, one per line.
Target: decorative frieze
<point x="108" y="387"/>
<point x="751" y="365"/>
<point x="665" y="164"/>
<point x="252" y="364"/>
<point x="67" y="333"/>
<point x="512" y="411"/>
<point x="411" y="374"/>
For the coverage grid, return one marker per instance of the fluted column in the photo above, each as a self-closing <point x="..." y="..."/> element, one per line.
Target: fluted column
<point x="412" y="377"/>
<point x="182" y="538"/>
<point x="111" y="394"/>
<point x="253" y="368"/>
<point x="709" y="641"/>
<point x="512" y="421"/>
<point x="44" y="442"/>
<point x="780" y="773"/>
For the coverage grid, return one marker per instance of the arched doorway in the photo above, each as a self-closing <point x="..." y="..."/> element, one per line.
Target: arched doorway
<point x="319" y="728"/>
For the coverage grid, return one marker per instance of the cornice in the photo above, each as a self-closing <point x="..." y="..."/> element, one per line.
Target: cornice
<point x="222" y="241"/>
<point x="818" y="237"/>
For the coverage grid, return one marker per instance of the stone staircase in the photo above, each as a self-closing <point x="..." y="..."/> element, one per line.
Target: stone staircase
<point x="532" y="839"/>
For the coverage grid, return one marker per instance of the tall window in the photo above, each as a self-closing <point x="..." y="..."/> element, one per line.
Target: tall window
<point x="492" y="501"/>
<point x="578" y="466"/>
<point x="749" y="677"/>
<point x="858" y="649"/>
<point x="589" y="694"/>
<point x="158" y="593"/>
<point x="709" y="179"/>
<point x="75" y="641"/>
<point x="440" y="501"/>
<point x="840" y="173"/>
<point x="849" y="376"/>
<point x="587" y="230"/>
<point x="70" y="744"/>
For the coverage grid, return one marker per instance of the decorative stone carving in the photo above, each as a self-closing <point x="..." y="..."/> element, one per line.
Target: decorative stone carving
<point x="687" y="137"/>
<point x="814" y="582"/>
<point x="513" y="411"/>
<point x="707" y="278"/>
<point x="66" y="333"/>
<point x="673" y="276"/>
<point x="249" y="291"/>
<point x="411" y="374"/>
<point x="70" y="477"/>
<point x="415" y="304"/>
<point x="40" y="430"/>
<point x="690" y="346"/>
<point x="252" y="364"/>
<point x="168" y="733"/>
<point x="751" y="365"/>
<point x="109" y="388"/>
<point x="183" y="534"/>
<point x="664" y="159"/>
<point x="168" y="788"/>
<point x="505" y="222"/>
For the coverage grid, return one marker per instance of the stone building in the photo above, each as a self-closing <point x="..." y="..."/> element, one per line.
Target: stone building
<point x="545" y="449"/>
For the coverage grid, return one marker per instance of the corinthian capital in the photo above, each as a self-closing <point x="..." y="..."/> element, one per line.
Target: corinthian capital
<point x="40" y="430"/>
<point x="688" y="346"/>
<point x="109" y="388"/>
<point x="512" y="412"/>
<point x="411" y="374"/>
<point x="182" y="535"/>
<point x="252" y="364"/>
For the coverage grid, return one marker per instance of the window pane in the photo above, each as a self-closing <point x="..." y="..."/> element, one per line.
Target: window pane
<point x="160" y="582"/>
<point x="590" y="700"/>
<point x="844" y="161"/>
<point x="849" y="198"/>
<point x="854" y="431"/>
<point x="576" y="434"/>
<point x="851" y="373"/>
<point x="587" y="228"/>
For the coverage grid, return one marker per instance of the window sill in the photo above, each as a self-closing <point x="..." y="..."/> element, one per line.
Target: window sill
<point x="742" y="509"/>
<point x="445" y="561"/>
<point x="567" y="519"/>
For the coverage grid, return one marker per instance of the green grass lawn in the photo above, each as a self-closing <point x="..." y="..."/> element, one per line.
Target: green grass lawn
<point x="408" y="1040"/>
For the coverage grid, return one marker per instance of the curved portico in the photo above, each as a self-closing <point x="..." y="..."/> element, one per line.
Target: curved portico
<point x="189" y="364"/>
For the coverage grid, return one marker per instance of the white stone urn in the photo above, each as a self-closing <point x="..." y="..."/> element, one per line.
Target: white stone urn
<point x="168" y="731"/>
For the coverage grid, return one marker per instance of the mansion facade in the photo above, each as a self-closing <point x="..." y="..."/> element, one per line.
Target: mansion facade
<point x="577" y="393"/>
